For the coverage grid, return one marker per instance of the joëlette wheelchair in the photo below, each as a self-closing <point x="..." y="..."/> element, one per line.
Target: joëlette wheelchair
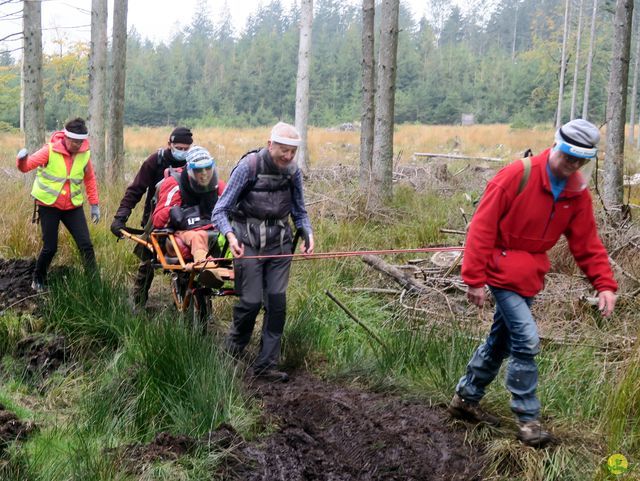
<point x="192" y="288"/>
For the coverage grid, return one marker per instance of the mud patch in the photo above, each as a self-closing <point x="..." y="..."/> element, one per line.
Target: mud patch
<point x="12" y="429"/>
<point x="42" y="354"/>
<point x="135" y="458"/>
<point x="15" y="283"/>
<point x="328" y="432"/>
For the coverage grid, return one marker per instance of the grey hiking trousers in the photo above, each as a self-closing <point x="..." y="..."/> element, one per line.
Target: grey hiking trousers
<point x="261" y="282"/>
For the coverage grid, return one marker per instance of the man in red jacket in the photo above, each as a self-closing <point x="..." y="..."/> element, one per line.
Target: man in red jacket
<point x="523" y="212"/>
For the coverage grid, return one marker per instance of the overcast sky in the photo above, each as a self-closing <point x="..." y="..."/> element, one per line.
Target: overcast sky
<point x="154" y="19"/>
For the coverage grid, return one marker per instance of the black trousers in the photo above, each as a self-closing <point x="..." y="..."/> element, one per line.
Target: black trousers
<point x="142" y="282"/>
<point x="76" y="224"/>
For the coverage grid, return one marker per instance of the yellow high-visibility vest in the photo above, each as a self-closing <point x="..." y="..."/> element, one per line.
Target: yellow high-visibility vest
<point x="51" y="178"/>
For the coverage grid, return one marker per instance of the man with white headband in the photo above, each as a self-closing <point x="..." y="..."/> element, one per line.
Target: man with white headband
<point x="64" y="164"/>
<point x="523" y="212"/>
<point x="264" y="189"/>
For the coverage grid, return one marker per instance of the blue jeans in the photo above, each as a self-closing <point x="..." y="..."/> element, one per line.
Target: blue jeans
<point x="514" y="333"/>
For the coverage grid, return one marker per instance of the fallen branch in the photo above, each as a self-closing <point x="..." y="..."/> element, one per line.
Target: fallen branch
<point x="374" y="290"/>
<point x="453" y="231"/>
<point x="400" y="277"/>
<point x="358" y="321"/>
<point x="456" y="156"/>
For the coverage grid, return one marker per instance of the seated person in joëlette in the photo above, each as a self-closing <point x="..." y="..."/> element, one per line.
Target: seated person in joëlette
<point x="186" y="198"/>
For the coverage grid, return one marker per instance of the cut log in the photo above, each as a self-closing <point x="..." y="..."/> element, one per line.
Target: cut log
<point x="405" y="280"/>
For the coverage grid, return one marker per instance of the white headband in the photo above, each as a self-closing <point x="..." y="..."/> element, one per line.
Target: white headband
<point x="286" y="140"/>
<point x="73" y="135"/>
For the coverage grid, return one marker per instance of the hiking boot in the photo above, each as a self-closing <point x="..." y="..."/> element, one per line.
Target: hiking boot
<point x="532" y="434"/>
<point x="210" y="278"/>
<point x="37" y="286"/>
<point x="470" y="411"/>
<point x="271" y="375"/>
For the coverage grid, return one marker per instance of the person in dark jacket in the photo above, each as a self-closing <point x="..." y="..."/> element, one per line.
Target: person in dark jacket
<point x="151" y="172"/>
<point x="264" y="190"/>
<point x="506" y="251"/>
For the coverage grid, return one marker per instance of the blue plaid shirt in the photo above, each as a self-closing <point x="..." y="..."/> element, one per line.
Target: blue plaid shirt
<point x="240" y="178"/>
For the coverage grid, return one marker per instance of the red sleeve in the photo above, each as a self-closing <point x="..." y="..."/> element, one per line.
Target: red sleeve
<point x="587" y="248"/>
<point x="168" y="196"/>
<point x="90" y="184"/>
<point x="482" y="235"/>
<point x="39" y="158"/>
<point x="221" y="186"/>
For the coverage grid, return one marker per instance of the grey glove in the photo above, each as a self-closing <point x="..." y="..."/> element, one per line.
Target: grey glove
<point x="23" y="153"/>
<point x="95" y="213"/>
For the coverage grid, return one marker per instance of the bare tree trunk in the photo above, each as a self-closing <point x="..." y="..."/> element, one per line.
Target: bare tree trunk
<point x="22" y="95"/>
<point x="616" y="105"/>
<point x="634" y="89"/>
<point x="587" y="81"/>
<point x="368" y="91"/>
<point x="97" y="85"/>
<point x="382" y="159"/>
<point x="574" y="91"/>
<point x="32" y="75"/>
<point x="515" y="35"/>
<point x="563" y="62"/>
<point x="302" y="83"/>
<point x="115" y="144"/>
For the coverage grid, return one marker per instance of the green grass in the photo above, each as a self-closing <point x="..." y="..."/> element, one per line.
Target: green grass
<point x="166" y="378"/>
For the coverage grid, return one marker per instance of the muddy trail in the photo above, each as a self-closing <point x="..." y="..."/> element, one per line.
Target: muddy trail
<point x="328" y="432"/>
<point x="323" y="431"/>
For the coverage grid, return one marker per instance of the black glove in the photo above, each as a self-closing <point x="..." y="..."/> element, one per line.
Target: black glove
<point x="302" y="232"/>
<point x="116" y="225"/>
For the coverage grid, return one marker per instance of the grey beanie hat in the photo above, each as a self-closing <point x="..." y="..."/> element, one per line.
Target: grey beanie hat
<point x="581" y="133"/>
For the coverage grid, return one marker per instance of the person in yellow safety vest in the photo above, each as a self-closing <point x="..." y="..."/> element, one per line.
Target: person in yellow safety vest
<point x="63" y="164"/>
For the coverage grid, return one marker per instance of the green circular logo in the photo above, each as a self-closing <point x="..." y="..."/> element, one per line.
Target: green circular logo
<point x="617" y="464"/>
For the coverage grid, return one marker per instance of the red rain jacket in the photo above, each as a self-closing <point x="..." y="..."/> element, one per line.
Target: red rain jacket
<point x="510" y="233"/>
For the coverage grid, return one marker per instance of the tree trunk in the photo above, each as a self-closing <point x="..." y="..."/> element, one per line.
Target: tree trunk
<point x="32" y="76"/>
<point x="382" y="159"/>
<point x="616" y="105"/>
<point x="587" y="81"/>
<point x="97" y="85"/>
<point x="574" y="90"/>
<point x="368" y="91"/>
<point x="634" y="89"/>
<point x="302" y="83"/>
<point x="115" y="145"/>
<point x="515" y="34"/>
<point x="563" y="62"/>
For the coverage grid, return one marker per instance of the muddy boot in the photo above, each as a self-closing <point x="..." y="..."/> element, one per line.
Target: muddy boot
<point x="532" y="434"/>
<point x="271" y="375"/>
<point x="210" y="278"/>
<point x="469" y="411"/>
<point x="37" y="286"/>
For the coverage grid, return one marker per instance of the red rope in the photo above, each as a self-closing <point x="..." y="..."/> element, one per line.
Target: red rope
<point x="333" y="255"/>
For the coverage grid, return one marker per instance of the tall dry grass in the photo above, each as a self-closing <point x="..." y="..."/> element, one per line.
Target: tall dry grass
<point x="326" y="146"/>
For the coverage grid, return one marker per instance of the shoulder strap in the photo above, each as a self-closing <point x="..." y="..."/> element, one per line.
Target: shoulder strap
<point x="160" y="158"/>
<point x="526" y="162"/>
